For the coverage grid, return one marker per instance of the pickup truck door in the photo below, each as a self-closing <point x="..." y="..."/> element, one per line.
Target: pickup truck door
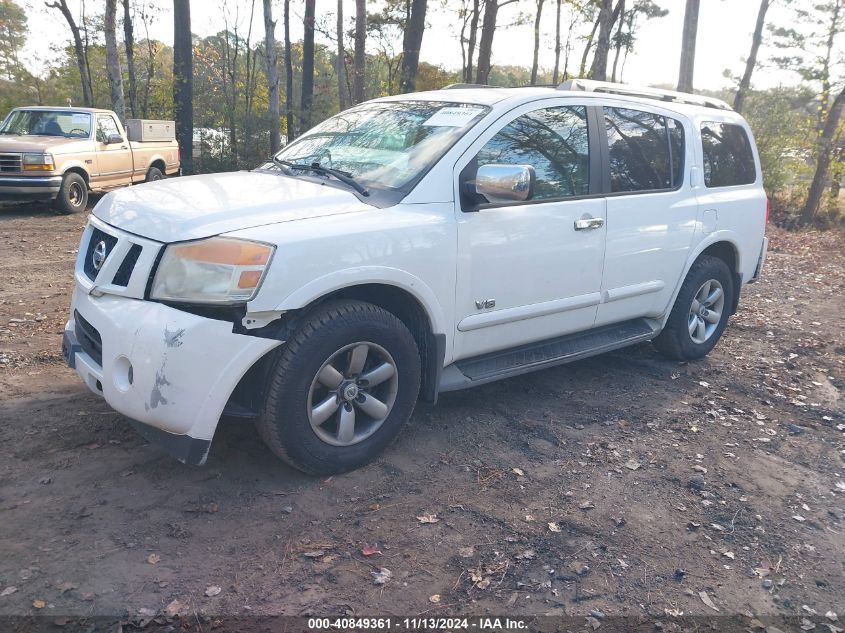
<point x="114" y="160"/>
<point x="532" y="270"/>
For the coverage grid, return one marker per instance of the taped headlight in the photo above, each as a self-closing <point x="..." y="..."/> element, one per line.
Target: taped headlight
<point x="219" y="270"/>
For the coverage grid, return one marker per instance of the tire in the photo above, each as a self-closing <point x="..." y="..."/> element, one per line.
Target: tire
<point x="73" y="195"/>
<point x="321" y="364"/>
<point x="154" y="174"/>
<point x="691" y="333"/>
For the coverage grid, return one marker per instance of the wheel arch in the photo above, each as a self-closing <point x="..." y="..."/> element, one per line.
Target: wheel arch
<point x="158" y="163"/>
<point x="721" y="245"/>
<point x="78" y="169"/>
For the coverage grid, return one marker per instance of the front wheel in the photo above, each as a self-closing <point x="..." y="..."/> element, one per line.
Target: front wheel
<point x="700" y="313"/>
<point x="154" y="174"/>
<point x="73" y="195"/>
<point x="341" y="388"/>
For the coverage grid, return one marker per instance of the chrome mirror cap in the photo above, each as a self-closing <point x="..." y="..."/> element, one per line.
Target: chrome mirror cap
<point x="505" y="183"/>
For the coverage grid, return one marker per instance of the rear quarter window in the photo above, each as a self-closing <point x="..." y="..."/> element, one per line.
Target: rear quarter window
<point x="728" y="159"/>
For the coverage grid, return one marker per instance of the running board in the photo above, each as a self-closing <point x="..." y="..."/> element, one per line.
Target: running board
<point x="475" y="371"/>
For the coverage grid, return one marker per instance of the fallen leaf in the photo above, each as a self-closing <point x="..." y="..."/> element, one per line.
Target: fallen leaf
<point x="706" y="600"/>
<point x="435" y="599"/>
<point x="518" y="472"/>
<point x="799" y="518"/>
<point x="587" y="505"/>
<point x="728" y="555"/>
<point x="382" y="576"/>
<point x="632" y="464"/>
<point x="65" y="587"/>
<point x="466" y="552"/>
<point x="317" y="553"/>
<point x="8" y="591"/>
<point x="483" y="583"/>
<point x="700" y="468"/>
<point x="370" y="550"/>
<point x="212" y="591"/>
<point x="173" y="609"/>
<point x="428" y="518"/>
<point x="703" y="383"/>
<point x="153" y="559"/>
<point x="39" y="604"/>
<point x="554" y="527"/>
<point x="147" y="613"/>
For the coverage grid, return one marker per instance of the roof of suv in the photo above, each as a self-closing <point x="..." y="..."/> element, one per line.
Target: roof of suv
<point x="688" y="104"/>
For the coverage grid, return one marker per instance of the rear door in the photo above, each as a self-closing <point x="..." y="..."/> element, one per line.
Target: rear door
<point x="651" y="210"/>
<point x="525" y="271"/>
<point x="114" y="160"/>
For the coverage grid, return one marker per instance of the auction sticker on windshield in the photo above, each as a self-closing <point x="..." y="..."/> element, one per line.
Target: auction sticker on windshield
<point x="452" y="117"/>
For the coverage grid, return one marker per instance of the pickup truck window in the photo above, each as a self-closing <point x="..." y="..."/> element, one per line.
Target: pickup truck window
<point x="555" y="141"/>
<point x="385" y="144"/>
<point x="106" y="127"/>
<point x="48" y="123"/>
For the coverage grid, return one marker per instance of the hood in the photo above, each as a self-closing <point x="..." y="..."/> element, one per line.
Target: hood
<point x="35" y="143"/>
<point x="193" y="207"/>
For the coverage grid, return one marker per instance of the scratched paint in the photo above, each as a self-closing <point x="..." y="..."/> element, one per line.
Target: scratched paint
<point x="156" y="397"/>
<point x="173" y="339"/>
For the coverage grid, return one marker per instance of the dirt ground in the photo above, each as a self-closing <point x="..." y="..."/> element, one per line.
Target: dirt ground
<point x="621" y="486"/>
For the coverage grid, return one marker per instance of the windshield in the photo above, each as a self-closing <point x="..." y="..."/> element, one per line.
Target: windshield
<point x="48" y="123"/>
<point x="386" y="144"/>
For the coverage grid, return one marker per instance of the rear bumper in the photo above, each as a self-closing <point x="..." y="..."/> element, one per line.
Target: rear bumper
<point x="29" y="187"/>
<point x="761" y="260"/>
<point x="170" y="372"/>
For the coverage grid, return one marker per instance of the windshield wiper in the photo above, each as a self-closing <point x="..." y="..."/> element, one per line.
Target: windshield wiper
<point x="343" y="176"/>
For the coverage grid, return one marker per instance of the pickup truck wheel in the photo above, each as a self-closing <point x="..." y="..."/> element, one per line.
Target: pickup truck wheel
<point x="700" y="313"/>
<point x="73" y="195"/>
<point x="340" y="389"/>
<point x="153" y="174"/>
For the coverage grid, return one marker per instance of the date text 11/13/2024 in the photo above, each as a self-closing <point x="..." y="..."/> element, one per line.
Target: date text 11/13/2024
<point x="417" y="624"/>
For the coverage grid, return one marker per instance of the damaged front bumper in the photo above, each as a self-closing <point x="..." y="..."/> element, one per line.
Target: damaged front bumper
<point x="170" y="372"/>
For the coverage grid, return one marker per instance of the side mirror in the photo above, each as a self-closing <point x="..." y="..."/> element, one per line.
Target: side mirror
<point x="113" y="139"/>
<point x="505" y="183"/>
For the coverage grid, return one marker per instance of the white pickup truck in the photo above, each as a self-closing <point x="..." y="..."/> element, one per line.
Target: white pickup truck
<point x="414" y="245"/>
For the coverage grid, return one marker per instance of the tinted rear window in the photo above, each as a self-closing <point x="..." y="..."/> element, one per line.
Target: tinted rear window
<point x="645" y="150"/>
<point x="728" y="159"/>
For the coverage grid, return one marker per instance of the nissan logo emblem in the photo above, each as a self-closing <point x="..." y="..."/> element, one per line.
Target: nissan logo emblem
<point x="98" y="256"/>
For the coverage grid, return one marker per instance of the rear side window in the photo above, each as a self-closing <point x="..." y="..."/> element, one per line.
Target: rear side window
<point x="728" y="159"/>
<point x="646" y="150"/>
<point x="554" y="141"/>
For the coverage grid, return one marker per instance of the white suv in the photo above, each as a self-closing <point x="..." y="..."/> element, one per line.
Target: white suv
<point x="414" y="245"/>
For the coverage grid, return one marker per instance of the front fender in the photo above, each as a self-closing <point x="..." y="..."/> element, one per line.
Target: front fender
<point x="401" y="279"/>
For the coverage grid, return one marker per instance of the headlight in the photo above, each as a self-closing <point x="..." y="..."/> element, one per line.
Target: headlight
<point x="38" y="162"/>
<point x="219" y="270"/>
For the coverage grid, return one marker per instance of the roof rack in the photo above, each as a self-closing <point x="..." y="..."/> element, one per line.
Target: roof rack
<point x="588" y="85"/>
<point x="464" y="86"/>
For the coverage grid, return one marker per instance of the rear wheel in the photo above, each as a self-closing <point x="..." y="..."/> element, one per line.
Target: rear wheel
<point x="700" y="313"/>
<point x="341" y="388"/>
<point x="153" y="174"/>
<point x="73" y="195"/>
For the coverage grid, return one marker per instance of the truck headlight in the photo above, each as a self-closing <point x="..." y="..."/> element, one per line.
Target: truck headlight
<point x="219" y="270"/>
<point x="38" y="162"/>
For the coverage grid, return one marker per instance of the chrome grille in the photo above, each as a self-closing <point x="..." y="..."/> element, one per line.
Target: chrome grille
<point x="10" y="163"/>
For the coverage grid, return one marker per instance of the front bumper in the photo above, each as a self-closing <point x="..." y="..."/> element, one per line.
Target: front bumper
<point x="169" y="371"/>
<point x="29" y="187"/>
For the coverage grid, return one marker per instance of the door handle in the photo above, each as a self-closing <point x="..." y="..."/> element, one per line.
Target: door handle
<point x="588" y="223"/>
<point x="124" y="147"/>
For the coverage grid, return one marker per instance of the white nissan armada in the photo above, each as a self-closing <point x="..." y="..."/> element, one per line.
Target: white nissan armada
<point x="410" y="246"/>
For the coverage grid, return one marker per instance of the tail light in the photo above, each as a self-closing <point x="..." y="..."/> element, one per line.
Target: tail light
<point x="768" y="208"/>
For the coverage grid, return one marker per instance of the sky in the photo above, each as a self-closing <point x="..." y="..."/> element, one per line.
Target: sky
<point x="724" y="36"/>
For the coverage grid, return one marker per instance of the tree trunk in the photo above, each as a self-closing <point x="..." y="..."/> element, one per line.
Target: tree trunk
<point x="307" y="96"/>
<point x="824" y="151"/>
<point x="183" y="71"/>
<point x="272" y="65"/>
<point x="688" y="46"/>
<point x="289" y="124"/>
<point x="411" y="43"/>
<point x="535" y="62"/>
<point x="588" y="46"/>
<point x="113" y="61"/>
<point x="360" y="64"/>
<point x="342" y="89"/>
<point x="618" y="42"/>
<point x="81" y="56"/>
<point x="556" y="74"/>
<point x="598" y="70"/>
<point x="129" y="45"/>
<point x="473" y="37"/>
<point x="485" y="46"/>
<point x="756" y="39"/>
